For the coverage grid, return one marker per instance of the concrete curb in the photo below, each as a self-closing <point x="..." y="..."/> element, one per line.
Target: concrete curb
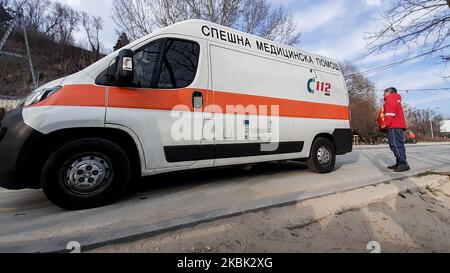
<point x="106" y="236"/>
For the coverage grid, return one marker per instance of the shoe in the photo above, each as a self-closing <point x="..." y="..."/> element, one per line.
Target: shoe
<point x="402" y="168"/>
<point x="393" y="167"/>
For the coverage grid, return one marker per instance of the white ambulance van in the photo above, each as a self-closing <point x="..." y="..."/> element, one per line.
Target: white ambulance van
<point x="192" y="95"/>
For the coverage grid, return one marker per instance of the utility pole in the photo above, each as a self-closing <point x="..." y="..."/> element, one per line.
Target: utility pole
<point x="27" y="56"/>
<point x="432" y="129"/>
<point x="431" y="119"/>
<point x="30" y="62"/>
<point x="10" y="30"/>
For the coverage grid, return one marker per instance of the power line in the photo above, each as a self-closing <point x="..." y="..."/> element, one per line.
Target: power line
<point x="422" y="90"/>
<point x="392" y="65"/>
<point x="407" y="60"/>
<point x="425" y="90"/>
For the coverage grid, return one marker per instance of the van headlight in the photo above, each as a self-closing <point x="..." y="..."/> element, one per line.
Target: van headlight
<point x="38" y="96"/>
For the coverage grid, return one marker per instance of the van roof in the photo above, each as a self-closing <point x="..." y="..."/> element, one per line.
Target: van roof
<point x="193" y="28"/>
<point x="183" y="25"/>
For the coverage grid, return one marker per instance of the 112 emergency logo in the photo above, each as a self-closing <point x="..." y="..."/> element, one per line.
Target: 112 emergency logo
<point x="314" y="85"/>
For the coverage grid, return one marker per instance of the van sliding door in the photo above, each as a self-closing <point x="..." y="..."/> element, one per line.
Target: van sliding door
<point x="254" y="94"/>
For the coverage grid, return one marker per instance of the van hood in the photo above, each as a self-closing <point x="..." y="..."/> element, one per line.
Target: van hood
<point x="80" y="77"/>
<point x="52" y="83"/>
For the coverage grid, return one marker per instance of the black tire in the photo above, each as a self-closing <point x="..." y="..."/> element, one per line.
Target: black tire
<point x="102" y="161"/>
<point x="318" y="165"/>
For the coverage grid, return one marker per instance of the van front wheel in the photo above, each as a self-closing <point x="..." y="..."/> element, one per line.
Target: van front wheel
<point x="323" y="156"/>
<point x="85" y="173"/>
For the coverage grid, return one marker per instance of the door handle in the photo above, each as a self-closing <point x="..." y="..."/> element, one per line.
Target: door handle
<point x="197" y="100"/>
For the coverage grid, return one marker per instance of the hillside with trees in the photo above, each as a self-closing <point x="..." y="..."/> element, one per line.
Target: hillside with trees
<point x="55" y="53"/>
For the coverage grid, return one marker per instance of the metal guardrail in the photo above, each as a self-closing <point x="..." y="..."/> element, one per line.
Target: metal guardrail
<point x="8" y="103"/>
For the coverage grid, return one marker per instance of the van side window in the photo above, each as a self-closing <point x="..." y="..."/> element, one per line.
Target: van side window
<point x="146" y="61"/>
<point x="163" y="64"/>
<point x="179" y="64"/>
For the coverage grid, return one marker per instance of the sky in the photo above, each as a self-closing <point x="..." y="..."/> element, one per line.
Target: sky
<point x="337" y="29"/>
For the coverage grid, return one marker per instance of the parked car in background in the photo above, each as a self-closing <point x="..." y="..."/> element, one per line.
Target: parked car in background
<point x="410" y="137"/>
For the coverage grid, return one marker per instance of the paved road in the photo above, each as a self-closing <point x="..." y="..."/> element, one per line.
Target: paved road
<point x="29" y="223"/>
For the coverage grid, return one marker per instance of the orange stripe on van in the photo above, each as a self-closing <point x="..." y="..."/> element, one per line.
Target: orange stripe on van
<point x="168" y="99"/>
<point x="151" y="98"/>
<point x="287" y="108"/>
<point x="90" y="95"/>
<point x="77" y="95"/>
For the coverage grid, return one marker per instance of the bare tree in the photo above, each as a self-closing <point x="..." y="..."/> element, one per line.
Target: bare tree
<point x="357" y="84"/>
<point x="53" y="18"/>
<point x="418" y="25"/>
<point x="258" y="18"/>
<point x="224" y="12"/>
<point x="5" y="15"/>
<point x="92" y="26"/>
<point x="420" y="121"/>
<point x="4" y="4"/>
<point x="68" y="23"/>
<point x="363" y="102"/>
<point x="168" y="12"/>
<point x="140" y="17"/>
<point x="133" y="17"/>
<point x="35" y="13"/>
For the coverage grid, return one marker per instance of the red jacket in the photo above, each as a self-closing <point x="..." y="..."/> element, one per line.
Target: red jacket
<point x="391" y="115"/>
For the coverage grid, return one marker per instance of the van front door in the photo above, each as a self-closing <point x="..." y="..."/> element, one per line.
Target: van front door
<point x="164" y="107"/>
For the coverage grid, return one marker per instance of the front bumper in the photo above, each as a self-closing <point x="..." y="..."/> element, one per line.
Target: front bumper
<point x="16" y="144"/>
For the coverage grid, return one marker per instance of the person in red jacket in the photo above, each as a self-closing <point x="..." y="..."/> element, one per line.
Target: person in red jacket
<point x="392" y="120"/>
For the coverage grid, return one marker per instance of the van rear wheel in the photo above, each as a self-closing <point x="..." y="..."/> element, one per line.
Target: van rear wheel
<point x="86" y="173"/>
<point x="323" y="156"/>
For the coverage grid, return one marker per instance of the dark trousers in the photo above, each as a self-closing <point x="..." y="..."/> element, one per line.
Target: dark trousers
<point x="397" y="145"/>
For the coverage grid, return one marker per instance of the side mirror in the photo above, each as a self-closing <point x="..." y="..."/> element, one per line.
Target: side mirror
<point x="124" y="73"/>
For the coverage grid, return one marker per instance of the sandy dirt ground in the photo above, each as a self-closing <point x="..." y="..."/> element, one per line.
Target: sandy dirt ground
<point x="403" y="216"/>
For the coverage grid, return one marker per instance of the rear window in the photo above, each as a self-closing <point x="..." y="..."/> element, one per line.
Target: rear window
<point x="179" y="65"/>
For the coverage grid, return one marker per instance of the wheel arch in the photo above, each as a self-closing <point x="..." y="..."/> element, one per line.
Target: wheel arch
<point x="342" y="140"/>
<point x="328" y="136"/>
<point x="52" y="141"/>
